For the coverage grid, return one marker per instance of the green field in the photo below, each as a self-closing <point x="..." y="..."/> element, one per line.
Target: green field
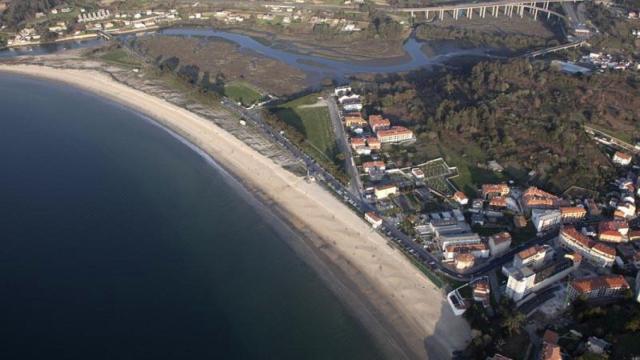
<point x="242" y="92"/>
<point x="313" y="123"/>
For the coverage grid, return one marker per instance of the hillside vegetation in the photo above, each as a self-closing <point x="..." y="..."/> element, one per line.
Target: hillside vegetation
<point x="527" y="116"/>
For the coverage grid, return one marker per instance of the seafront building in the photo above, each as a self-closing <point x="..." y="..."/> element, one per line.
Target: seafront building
<point x="373" y="219"/>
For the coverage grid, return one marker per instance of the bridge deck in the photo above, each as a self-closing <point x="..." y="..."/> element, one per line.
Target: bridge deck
<point x="479" y="4"/>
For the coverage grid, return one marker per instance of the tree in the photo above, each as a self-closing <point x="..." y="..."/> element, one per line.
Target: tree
<point x="513" y="322"/>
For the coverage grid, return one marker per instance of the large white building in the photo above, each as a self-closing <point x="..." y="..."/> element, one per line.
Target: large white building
<point x="530" y="279"/>
<point x="546" y="219"/>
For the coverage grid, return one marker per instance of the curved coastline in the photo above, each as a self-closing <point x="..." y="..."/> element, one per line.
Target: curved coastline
<point x="402" y="309"/>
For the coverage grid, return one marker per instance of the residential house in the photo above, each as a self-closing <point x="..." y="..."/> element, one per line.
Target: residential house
<point x="373" y="219"/>
<point x="499" y="243"/>
<point x="621" y="158"/>
<point x="395" y="134"/>
<point x="550" y="348"/>
<point x="605" y="286"/>
<point x="478" y="250"/>
<point x="354" y="119"/>
<point x="460" y="198"/>
<point x="596" y="253"/>
<point x="464" y="261"/>
<point x="572" y="214"/>
<point x="377" y="122"/>
<point x="491" y="190"/>
<point x="384" y="191"/>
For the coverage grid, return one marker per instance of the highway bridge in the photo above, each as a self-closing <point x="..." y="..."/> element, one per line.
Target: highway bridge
<point x="575" y="44"/>
<point x="482" y="9"/>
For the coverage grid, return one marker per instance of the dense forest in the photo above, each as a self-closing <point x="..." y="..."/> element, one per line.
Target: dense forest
<point x="528" y="116"/>
<point x="20" y="10"/>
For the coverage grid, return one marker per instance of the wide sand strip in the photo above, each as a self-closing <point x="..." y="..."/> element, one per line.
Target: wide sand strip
<point x="391" y="283"/>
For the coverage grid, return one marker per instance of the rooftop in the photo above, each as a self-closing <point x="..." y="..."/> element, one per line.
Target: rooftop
<point x="599" y="282"/>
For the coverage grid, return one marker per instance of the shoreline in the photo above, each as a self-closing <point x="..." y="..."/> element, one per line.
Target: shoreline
<point x="402" y="309"/>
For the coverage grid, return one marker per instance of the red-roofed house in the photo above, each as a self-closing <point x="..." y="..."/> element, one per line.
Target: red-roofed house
<point x="460" y="198"/>
<point x="395" y="134"/>
<point x="491" y="190"/>
<point x="621" y="158"/>
<point x="598" y="287"/>
<point x="377" y="122"/>
<point x="499" y="243"/>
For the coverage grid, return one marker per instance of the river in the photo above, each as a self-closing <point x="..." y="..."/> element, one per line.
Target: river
<point x="315" y="66"/>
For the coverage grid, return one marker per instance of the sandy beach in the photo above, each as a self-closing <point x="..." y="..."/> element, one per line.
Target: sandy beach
<point x="401" y="303"/>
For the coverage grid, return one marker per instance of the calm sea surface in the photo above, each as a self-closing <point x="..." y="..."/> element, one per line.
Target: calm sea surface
<point x="119" y="242"/>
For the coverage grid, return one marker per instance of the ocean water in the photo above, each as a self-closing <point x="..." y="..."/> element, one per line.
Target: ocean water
<point x="117" y="241"/>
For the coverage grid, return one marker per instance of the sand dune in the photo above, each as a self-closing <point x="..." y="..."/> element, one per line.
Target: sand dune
<point x="398" y="292"/>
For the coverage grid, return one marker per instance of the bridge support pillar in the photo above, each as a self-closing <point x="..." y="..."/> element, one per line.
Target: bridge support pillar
<point x="545" y="5"/>
<point x="496" y="10"/>
<point x="470" y="13"/>
<point x="521" y="11"/>
<point x="483" y="10"/>
<point x="456" y="13"/>
<point x="535" y="14"/>
<point x="441" y="15"/>
<point x="426" y="15"/>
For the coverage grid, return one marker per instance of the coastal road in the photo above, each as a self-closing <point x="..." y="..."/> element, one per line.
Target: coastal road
<point x="355" y="184"/>
<point x="390" y="230"/>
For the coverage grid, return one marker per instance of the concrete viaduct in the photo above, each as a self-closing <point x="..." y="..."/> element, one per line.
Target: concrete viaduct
<point x="506" y="7"/>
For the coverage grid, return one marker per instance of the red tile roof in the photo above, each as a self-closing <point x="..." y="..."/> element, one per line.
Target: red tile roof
<point x="529" y="252"/>
<point x="498" y="201"/>
<point x="602" y="248"/>
<point x="395" y="130"/>
<point x="588" y="285"/>
<point x="623" y="156"/>
<point x="501" y="237"/>
<point x="613" y="225"/>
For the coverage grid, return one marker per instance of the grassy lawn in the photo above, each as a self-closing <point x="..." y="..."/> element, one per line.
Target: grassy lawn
<point x="313" y="123"/>
<point x="242" y="92"/>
